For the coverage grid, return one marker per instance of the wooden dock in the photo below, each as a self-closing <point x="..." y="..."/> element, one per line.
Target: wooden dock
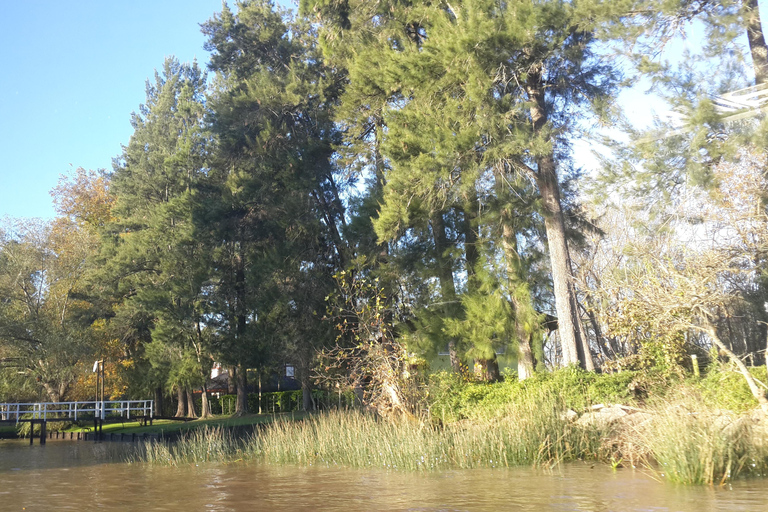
<point x="100" y="412"/>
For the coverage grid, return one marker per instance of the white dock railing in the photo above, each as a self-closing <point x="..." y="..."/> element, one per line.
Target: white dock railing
<point x="71" y="410"/>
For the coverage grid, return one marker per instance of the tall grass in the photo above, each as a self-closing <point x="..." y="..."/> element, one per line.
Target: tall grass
<point x="202" y="445"/>
<point x="694" y="445"/>
<point x="531" y="433"/>
<point x="682" y="438"/>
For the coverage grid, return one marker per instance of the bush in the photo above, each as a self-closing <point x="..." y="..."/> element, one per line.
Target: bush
<point x="724" y="387"/>
<point x="452" y="399"/>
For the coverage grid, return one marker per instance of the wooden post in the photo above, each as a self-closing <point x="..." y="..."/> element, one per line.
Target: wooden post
<point x="695" y="364"/>
<point x="31" y="432"/>
<point x="42" y="432"/>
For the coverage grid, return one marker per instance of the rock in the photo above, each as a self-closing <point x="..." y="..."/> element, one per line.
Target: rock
<point x="602" y="418"/>
<point x="570" y="415"/>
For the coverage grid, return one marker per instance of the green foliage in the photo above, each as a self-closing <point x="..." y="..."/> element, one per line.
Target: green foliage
<point x="452" y="399"/>
<point x="724" y="387"/>
<point x="272" y="402"/>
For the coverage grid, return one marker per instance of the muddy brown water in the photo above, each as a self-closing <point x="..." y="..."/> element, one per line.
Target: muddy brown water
<point x="92" y="476"/>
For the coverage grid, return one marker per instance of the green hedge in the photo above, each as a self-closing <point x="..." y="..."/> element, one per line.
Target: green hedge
<point x="279" y="401"/>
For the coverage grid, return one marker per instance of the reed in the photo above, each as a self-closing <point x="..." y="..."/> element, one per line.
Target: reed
<point x="690" y="444"/>
<point x="682" y="440"/>
<point x="527" y="433"/>
<point x="202" y="445"/>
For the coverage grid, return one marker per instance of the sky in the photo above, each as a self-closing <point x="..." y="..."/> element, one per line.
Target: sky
<point x="71" y="73"/>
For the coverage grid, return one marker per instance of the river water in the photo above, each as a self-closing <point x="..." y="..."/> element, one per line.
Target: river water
<point x="83" y="475"/>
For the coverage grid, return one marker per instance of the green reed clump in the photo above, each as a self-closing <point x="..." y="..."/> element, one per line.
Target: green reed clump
<point x="695" y="445"/>
<point x="532" y="432"/>
<point x="202" y="445"/>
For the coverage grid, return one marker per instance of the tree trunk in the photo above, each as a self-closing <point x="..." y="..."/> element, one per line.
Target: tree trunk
<point x="181" y="405"/>
<point x="453" y="356"/>
<point x="231" y="388"/>
<point x="517" y="287"/>
<point x="525" y="360"/>
<point x="487" y="370"/>
<point x="52" y="391"/>
<point x="241" y="404"/>
<point x="471" y="253"/>
<point x="589" y="363"/>
<point x="560" y="261"/>
<point x="205" y="405"/>
<point x="447" y="285"/>
<point x="757" y="46"/>
<point x="158" y="401"/>
<point x="307" y="403"/>
<point x="549" y="188"/>
<point x="191" y="413"/>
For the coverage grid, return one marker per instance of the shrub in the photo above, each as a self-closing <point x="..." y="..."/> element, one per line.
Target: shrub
<point x="724" y="387"/>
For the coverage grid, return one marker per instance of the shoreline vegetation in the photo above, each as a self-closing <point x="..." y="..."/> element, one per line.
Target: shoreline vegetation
<point x="693" y="432"/>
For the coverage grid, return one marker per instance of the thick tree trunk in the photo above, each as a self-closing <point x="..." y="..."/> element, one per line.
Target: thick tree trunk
<point x="307" y="403"/>
<point x="487" y="370"/>
<point x="516" y="280"/>
<point x="231" y="388"/>
<point x="453" y="357"/>
<point x="53" y="392"/>
<point x="205" y="405"/>
<point x="525" y="361"/>
<point x="560" y="261"/>
<point x="549" y="188"/>
<point x="757" y="46"/>
<point x="158" y="401"/>
<point x="447" y="285"/>
<point x="181" y="405"/>
<point x="241" y="404"/>
<point x="191" y="413"/>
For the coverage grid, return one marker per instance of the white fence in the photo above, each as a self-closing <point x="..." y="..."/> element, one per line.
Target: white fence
<point x="71" y="410"/>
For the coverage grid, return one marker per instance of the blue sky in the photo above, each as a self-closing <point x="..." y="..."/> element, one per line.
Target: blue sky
<point x="71" y="73"/>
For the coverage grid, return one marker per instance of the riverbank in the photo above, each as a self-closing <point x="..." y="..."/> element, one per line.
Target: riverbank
<point x="680" y="430"/>
<point x="675" y="442"/>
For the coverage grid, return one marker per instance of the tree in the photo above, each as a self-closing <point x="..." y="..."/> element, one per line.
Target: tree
<point x="42" y="266"/>
<point x="154" y="259"/>
<point x="695" y="275"/>
<point x="84" y="197"/>
<point x="368" y="356"/>
<point x="275" y="223"/>
<point x="481" y="90"/>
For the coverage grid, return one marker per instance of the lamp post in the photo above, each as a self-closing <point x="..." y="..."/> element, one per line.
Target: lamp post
<point x="98" y="369"/>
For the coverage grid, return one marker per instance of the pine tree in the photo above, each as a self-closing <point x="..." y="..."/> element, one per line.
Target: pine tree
<point x="499" y="88"/>
<point x="154" y="253"/>
<point x="277" y="217"/>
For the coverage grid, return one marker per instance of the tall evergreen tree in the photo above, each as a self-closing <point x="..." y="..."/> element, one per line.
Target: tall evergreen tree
<point x="154" y="256"/>
<point x="517" y="75"/>
<point x="278" y="214"/>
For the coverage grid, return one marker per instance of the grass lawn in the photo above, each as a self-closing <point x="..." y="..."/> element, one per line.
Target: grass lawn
<point x="168" y="426"/>
<point x="7" y="431"/>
